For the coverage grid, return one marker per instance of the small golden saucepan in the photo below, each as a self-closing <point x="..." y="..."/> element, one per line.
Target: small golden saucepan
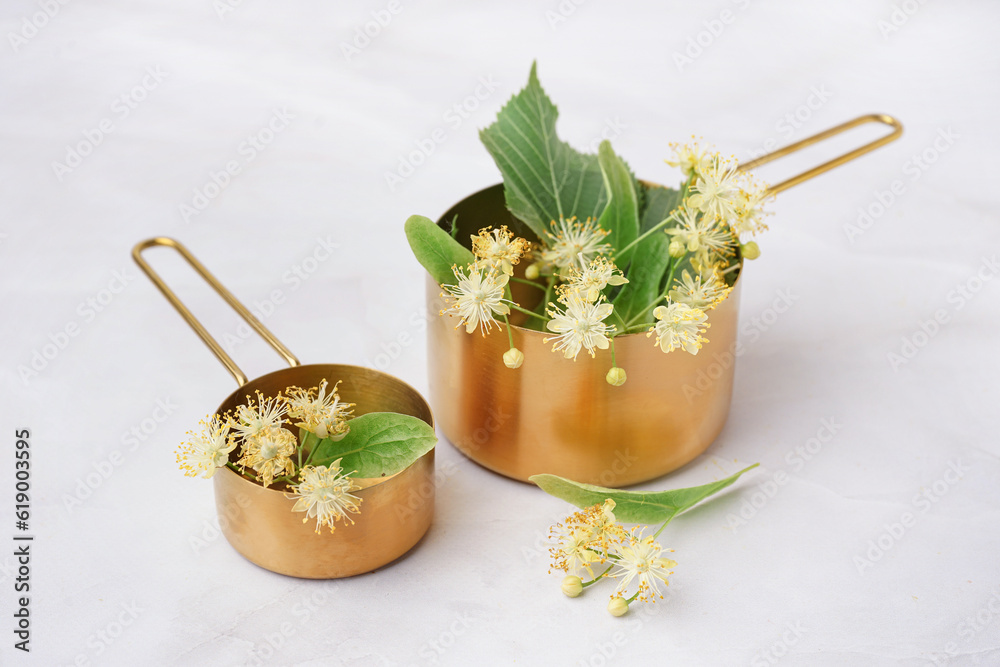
<point x="557" y="416"/>
<point x="396" y="511"/>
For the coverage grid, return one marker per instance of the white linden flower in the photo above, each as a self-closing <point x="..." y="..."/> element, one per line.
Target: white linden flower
<point x="208" y="450"/>
<point x="324" y="494"/>
<point x="642" y="559"/>
<point x="252" y="419"/>
<point x="574" y="549"/>
<point x="700" y="292"/>
<point x="679" y="325"/>
<point x="572" y="244"/>
<point x="476" y="298"/>
<point x="700" y="235"/>
<point x="716" y="189"/>
<point x="321" y="413"/>
<point x="580" y="325"/>
<point x="269" y="454"/>
<point x="499" y="251"/>
<point x="692" y="160"/>
<point x="750" y="213"/>
<point x="593" y="279"/>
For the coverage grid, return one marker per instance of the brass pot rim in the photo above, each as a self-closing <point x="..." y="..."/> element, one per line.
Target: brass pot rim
<point x="362" y="482"/>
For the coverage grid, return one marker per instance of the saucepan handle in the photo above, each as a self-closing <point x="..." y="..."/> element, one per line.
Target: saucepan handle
<point x="885" y="119"/>
<point x="206" y="337"/>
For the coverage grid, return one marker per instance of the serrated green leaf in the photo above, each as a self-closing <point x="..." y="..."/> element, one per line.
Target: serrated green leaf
<point x="633" y="506"/>
<point x="435" y="249"/>
<point x="621" y="215"/>
<point x="650" y="259"/>
<point x="544" y="178"/>
<point x="379" y="444"/>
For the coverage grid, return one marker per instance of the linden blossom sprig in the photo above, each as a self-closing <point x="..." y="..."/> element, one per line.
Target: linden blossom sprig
<point x="318" y="468"/>
<point x="595" y="536"/>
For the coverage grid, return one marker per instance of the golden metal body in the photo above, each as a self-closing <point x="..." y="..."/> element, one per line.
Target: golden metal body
<point x="259" y="523"/>
<point x="557" y="416"/>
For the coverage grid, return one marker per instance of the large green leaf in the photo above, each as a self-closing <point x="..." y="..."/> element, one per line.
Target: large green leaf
<point x="650" y="259"/>
<point x="544" y="179"/>
<point x="435" y="249"/>
<point x="633" y="506"/>
<point x="379" y="444"/>
<point x="621" y="215"/>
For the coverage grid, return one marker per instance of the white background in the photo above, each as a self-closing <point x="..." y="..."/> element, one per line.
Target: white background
<point x="476" y="590"/>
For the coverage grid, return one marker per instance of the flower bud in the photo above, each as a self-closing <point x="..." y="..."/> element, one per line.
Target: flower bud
<point x="572" y="586"/>
<point x="532" y="272"/>
<point x="616" y="376"/>
<point x="750" y="250"/>
<point x="618" y="606"/>
<point x="676" y="249"/>
<point x="513" y="358"/>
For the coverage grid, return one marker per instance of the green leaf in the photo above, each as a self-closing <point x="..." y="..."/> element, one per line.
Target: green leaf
<point x="621" y="215"/>
<point x="544" y="179"/>
<point x="633" y="506"/>
<point x="435" y="249"/>
<point x="650" y="258"/>
<point x="379" y="444"/>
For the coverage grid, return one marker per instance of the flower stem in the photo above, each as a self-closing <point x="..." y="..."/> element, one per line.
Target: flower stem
<point x="614" y="363"/>
<point x="632" y="599"/>
<point x="598" y="577"/>
<point x="510" y="336"/>
<point x="528" y="282"/>
<point x="528" y="312"/>
<point x="655" y="228"/>
<point x="657" y="533"/>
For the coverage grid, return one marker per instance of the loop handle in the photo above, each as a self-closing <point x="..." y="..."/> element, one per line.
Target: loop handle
<point x="206" y="337"/>
<point x="885" y="119"/>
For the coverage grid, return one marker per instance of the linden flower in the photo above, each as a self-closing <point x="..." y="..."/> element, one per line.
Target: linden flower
<point x="269" y="454"/>
<point x="476" y="298"/>
<point x="208" y="450"/>
<point x="579" y="325"/>
<point x="321" y="413"/>
<point x="593" y="279"/>
<point x="585" y="537"/>
<point x="699" y="292"/>
<point x="251" y="419"/>
<point x="641" y="558"/>
<point x="573" y="244"/>
<point x="699" y="234"/>
<point x="716" y="189"/>
<point x="692" y="160"/>
<point x="679" y="325"/>
<point x="498" y="250"/>
<point x="324" y="494"/>
<point x="750" y="213"/>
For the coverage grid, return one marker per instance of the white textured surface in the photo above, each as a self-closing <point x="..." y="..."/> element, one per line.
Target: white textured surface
<point x="476" y="590"/>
